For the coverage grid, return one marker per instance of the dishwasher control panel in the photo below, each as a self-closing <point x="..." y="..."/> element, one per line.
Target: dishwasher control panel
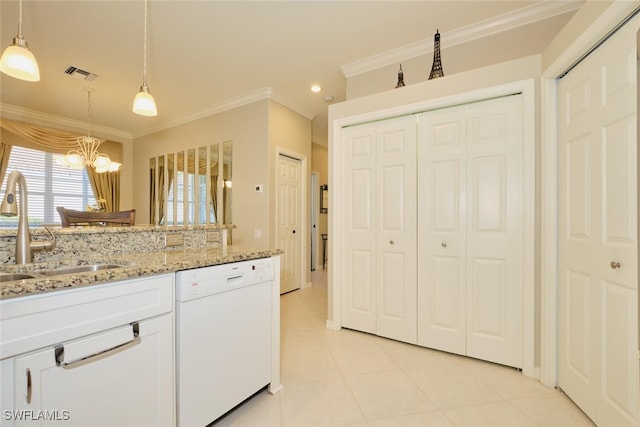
<point x="200" y="282"/>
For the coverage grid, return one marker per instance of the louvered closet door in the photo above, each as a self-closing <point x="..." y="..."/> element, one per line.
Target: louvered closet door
<point x="359" y="233"/>
<point x="396" y="229"/>
<point x="471" y="236"/>
<point x="441" y="228"/>
<point x="598" y="246"/>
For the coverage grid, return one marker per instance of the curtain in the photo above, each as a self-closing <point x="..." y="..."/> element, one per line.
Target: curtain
<point x="214" y="196"/>
<point x="47" y="139"/>
<point x="105" y="186"/>
<point x="5" y="152"/>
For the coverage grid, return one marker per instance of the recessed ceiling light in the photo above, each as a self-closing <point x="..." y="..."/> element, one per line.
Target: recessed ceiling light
<point x="316" y="88"/>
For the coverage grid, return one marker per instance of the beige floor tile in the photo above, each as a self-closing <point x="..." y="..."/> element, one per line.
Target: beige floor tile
<point x="495" y="414"/>
<point x="315" y="365"/>
<point x="299" y="321"/>
<point x="553" y="410"/>
<point x="409" y="356"/>
<point x="262" y="410"/>
<point x="304" y="338"/>
<point x="361" y="359"/>
<point x="425" y="419"/>
<point x="450" y="386"/>
<point x="318" y="404"/>
<point x="387" y="394"/>
<point x="507" y="382"/>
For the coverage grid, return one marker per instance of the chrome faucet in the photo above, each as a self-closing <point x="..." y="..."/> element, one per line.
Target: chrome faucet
<point x="24" y="245"/>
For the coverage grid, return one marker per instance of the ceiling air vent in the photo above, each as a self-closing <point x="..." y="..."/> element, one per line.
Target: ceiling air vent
<point x="79" y="74"/>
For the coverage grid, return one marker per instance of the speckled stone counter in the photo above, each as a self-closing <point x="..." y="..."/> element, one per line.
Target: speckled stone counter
<point x="137" y="264"/>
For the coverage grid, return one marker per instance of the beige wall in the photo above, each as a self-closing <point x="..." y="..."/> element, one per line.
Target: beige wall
<point x="247" y="128"/>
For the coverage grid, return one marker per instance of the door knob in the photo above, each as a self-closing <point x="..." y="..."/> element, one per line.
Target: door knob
<point x="443" y="244"/>
<point x="391" y="242"/>
<point x="614" y="264"/>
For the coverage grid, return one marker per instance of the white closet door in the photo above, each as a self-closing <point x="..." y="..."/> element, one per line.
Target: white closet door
<point x="598" y="248"/>
<point x="471" y="230"/>
<point x="494" y="230"/>
<point x="359" y="236"/>
<point x="441" y="229"/>
<point x="396" y="229"/>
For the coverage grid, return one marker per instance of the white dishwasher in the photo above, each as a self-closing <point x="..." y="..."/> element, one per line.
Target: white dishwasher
<point x="223" y="337"/>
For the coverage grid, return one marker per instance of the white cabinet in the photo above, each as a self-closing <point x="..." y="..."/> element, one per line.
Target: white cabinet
<point x="379" y="238"/>
<point x="470" y="243"/>
<point x="100" y="356"/>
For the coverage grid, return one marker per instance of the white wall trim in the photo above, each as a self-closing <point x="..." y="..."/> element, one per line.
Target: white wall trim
<point x="527" y="89"/>
<point x="478" y="30"/>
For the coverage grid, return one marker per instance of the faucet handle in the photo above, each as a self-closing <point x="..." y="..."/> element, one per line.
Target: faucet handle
<point x="39" y="245"/>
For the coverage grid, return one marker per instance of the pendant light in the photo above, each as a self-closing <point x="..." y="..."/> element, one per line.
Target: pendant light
<point x="17" y="60"/>
<point x="143" y="103"/>
<point x="87" y="153"/>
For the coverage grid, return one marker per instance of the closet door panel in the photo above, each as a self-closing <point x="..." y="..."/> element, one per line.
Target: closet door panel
<point x="441" y="233"/>
<point x="358" y="239"/>
<point x="494" y="237"/>
<point x="396" y="237"/>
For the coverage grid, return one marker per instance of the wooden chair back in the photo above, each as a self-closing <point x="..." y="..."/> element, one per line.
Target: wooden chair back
<point x="73" y="218"/>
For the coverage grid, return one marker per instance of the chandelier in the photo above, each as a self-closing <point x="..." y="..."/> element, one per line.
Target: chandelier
<point x="87" y="153"/>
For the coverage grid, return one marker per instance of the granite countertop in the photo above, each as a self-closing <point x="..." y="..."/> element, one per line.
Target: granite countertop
<point x="134" y="265"/>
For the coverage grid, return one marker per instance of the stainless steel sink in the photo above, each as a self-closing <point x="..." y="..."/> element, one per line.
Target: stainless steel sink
<point x="8" y="277"/>
<point x="78" y="269"/>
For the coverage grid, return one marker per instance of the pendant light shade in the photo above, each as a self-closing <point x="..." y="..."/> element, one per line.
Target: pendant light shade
<point x="144" y="103"/>
<point x="17" y="60"/>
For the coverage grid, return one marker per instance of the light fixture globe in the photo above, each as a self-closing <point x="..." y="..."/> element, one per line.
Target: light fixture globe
<point x="18" y="61"/>
<point x="144" y="104"/>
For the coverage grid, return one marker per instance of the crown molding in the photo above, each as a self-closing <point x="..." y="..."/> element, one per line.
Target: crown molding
<point x="16" y="113"/>
<point x="476" y="31"/>
<point x="230" y="104"/>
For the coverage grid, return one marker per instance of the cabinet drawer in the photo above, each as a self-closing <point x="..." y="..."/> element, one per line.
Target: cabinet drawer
<point x="41" y="320"/>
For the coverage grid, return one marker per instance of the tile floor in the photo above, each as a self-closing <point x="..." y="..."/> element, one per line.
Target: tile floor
<point x="352" y="379"/>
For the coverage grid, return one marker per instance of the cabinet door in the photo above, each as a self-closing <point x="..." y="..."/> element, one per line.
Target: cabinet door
<point x="441" y="229"/>
<point x="358" y="238"/>
<point x="396" y="229"/>
<point x="132" y="386"/>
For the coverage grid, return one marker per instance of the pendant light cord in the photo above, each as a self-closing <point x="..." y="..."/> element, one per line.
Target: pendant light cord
<point x="144" y="66"/>
<point x="89" y="112"/>
<point x="20" y="21"/>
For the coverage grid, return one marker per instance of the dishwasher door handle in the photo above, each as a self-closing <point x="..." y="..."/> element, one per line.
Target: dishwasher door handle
<point x="59" y="350"/>
<point x="235" y="280"/>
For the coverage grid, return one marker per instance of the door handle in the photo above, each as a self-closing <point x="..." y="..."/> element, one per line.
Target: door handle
<point x="614" y="265"/>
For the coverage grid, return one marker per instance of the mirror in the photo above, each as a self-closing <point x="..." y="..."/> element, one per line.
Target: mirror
<point x="324" y="198"/>
<point x="189" y="187"/>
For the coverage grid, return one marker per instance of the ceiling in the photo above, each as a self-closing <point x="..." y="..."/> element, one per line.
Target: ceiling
<point x="204" y="56"/>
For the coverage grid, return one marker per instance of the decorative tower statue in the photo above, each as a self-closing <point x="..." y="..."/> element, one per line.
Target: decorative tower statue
<point x="436" y="68"/>
<point x="400" y="78"/>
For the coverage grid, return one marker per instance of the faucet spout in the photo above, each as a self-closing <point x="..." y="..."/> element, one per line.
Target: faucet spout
<point x="24" y="245"/>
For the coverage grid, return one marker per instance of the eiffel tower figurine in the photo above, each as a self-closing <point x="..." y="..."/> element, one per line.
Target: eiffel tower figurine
<point x="400" y="78"/>
<point x="436" y="68"/>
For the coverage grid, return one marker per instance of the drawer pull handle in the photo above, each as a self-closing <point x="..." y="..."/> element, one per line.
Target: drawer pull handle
<point x="59" y="350"/>
<point x="28" y="386"/>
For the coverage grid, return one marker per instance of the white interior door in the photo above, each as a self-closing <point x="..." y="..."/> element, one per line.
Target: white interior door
<point x="598" y="251"/>
<point x="471" y="230"/>
<point x="396" y="238"/>
<point x="289" y="218"/>
<point x="359" y="237"/>
<point x="494" y="230"/>
<point x="441" y="230"/>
